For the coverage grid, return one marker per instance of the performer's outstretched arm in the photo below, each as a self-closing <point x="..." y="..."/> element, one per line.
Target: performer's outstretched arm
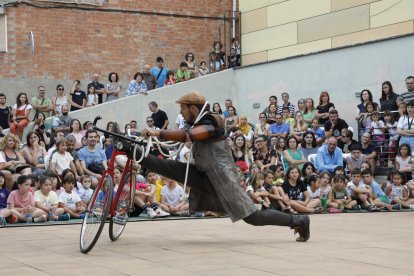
<point x="197" y="133"/>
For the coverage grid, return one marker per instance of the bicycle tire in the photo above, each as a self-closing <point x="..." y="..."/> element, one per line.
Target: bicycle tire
<point x="122" y="210"/>
<point x="95" y="215"/>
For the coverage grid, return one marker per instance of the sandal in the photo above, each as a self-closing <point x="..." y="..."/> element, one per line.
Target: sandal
<point x="286" y="211"/>
<point x="372" y="208"/>
<point x="334" y="210"/>
<point x="318" y="210"/>
<point x="292" y="211"/>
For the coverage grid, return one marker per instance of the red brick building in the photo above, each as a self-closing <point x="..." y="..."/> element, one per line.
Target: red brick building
<point x="73" y="41"/>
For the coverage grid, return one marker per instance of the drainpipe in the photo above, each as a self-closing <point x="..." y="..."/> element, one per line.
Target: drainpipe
<point x="234" y="18"/>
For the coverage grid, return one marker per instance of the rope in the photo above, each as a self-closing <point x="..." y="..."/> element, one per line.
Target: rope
<point x="153" y="141"/>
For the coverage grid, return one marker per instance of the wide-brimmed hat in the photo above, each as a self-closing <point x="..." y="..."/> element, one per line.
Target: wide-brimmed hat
<point x="192" y="98"/>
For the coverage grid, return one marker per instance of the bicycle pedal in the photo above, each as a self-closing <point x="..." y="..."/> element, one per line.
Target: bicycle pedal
<point x="120" y="221"/>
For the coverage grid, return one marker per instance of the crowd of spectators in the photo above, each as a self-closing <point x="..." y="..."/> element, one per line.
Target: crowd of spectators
<point x="300" y="159"/>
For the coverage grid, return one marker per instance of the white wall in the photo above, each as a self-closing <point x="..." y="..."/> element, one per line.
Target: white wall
<point x="342" y="73"/>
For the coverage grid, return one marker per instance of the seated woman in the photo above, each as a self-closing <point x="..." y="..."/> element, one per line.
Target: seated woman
<point x="240" y="151"/>
<point x="262" y="126"/>
<point x="271" y="114"/>
<point x="76" y="130"/>
<point x="245" y="128"/>
<point x="34" y="153"/>
<point x="299" y="128"/>
<point x="310" y="112"/>
<point x="293" y="156"/>
<point x="43" y="129"/>
<point x="263" y="156"/>
<point x="298" y="194"/>
<point x="231" y="121"/>
<point x="308" y="169"/>
<point x="15" y="162"/>
<point x="21" y="112"/>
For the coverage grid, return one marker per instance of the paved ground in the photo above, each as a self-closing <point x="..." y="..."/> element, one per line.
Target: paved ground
<point x="341" y="244"/>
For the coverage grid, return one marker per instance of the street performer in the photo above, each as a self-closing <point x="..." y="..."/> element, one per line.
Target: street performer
<point x="213" y="179"/>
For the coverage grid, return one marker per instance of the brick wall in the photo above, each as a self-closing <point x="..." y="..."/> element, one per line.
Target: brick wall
<point x="74" y="44"/>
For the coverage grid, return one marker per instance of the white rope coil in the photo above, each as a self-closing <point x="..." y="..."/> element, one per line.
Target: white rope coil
<point x="153" y="141"/>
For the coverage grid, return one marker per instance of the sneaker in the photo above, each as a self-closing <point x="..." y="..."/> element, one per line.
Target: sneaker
<point x="302" y="228"/>
<point x="42" y="218"/>
<point x="82" y="216"/>
<point x="12" y="219"/>
<point x="184" y="214"/>
<point x="396" y="207"/>
<point x="64" y="217"/>
<point x="151" y="213"/>
<point x="161" y="213"/>
<point x="199" y="214"/>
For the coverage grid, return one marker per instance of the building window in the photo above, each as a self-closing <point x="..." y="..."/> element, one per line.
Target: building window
<point x="3" y="33"/>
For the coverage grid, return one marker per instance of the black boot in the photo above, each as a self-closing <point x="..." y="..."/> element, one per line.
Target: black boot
<point x="300" y="223"/>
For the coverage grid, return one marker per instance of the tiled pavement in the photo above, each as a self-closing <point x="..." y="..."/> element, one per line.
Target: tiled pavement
<point x="341" y="244"/>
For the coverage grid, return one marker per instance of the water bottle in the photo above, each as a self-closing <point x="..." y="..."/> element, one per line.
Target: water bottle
<point x="2" y="221"/>
<point x="29" y="218"/>
<point x="51" y="213"/>
<point x="324" y="203"/>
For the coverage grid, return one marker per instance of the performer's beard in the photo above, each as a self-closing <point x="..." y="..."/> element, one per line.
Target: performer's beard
<point x="191" y="120"/>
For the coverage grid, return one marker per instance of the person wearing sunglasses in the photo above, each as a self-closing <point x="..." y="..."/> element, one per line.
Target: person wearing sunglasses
<point x="59" y="100"/>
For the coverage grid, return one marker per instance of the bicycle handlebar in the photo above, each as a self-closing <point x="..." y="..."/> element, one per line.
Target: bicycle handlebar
<point x="97" y="118"/>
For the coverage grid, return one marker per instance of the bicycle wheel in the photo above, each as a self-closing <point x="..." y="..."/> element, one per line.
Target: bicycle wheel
<point x="96" y="214"/>
<point x="123" y="207"/>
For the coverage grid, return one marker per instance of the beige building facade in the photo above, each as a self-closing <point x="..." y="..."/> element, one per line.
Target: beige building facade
<point x="277" y="29"/>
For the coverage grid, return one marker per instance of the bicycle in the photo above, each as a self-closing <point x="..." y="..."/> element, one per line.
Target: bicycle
<point x="104" y="203"/>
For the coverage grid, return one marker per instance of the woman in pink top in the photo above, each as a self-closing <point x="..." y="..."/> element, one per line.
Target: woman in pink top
<point x="21" y="202"/>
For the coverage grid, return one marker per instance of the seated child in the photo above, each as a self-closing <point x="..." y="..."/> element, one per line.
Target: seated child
<point x="360" y="192"/>
<point x="172" y="199"/>
<point x="338" y="197"/>
<point x="354" y="161"/>
<point x="4" y="194"/>
<point x="47" y="201"/>
<point x="398" y="193"/>
<point x="276" y="194"/>
<point x="314" y="190"/>
<point x="257" y="192"/>
<point x="69" y="200"/>
<point x="317" y="131"/>
<point x="325" y="178"/>
<point x="144" y="199"/>
<point x="21" y="202"/>
<point x="378" y="196"/>
<point x="85" y="192"/>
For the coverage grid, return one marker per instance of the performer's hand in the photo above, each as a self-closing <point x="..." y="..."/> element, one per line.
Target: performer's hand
<point x="150" y="132"/>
